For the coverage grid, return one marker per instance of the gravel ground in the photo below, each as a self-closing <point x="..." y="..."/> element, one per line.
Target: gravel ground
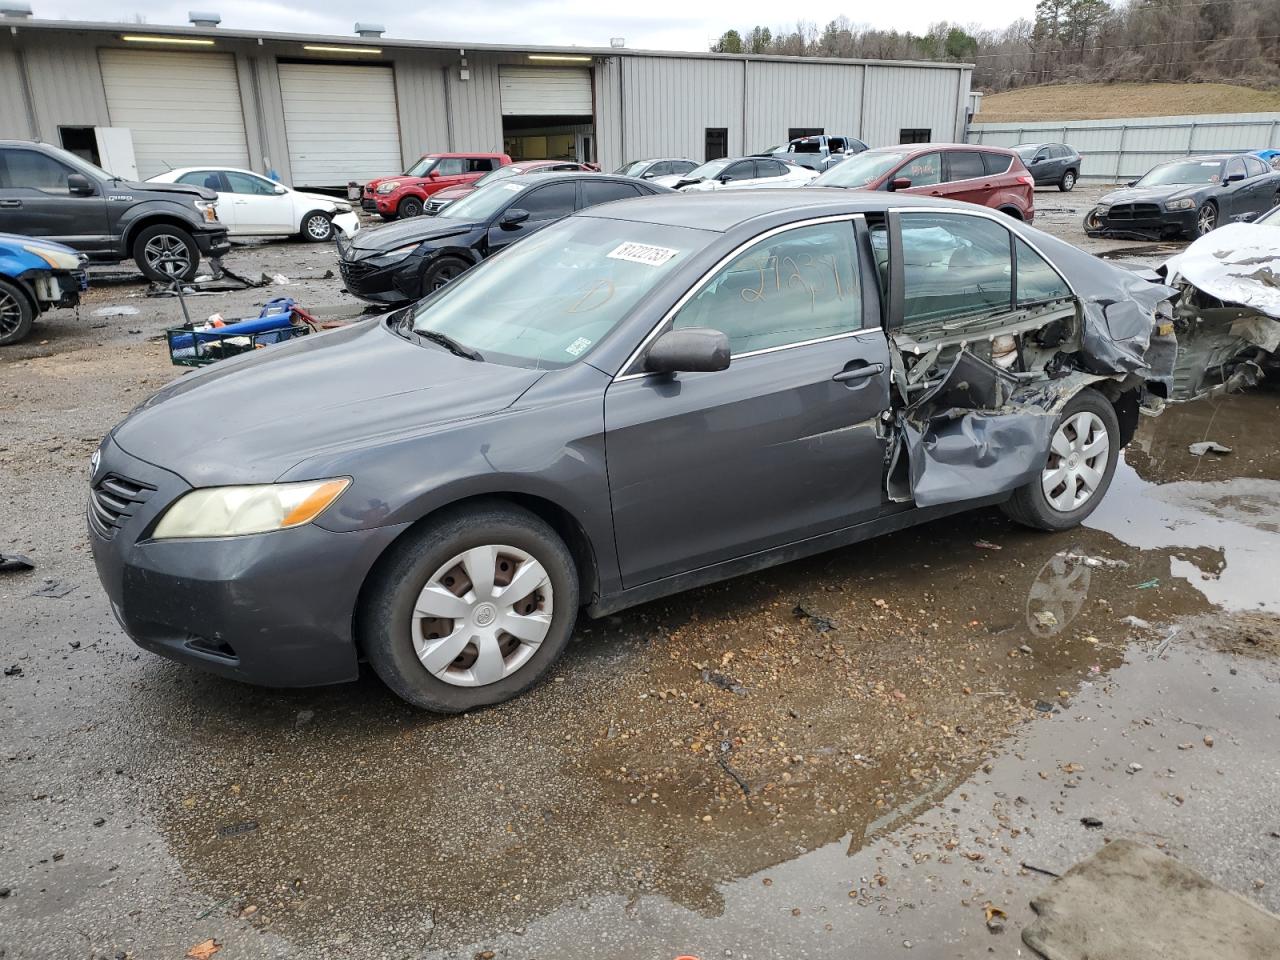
<point x="866" y="747"/>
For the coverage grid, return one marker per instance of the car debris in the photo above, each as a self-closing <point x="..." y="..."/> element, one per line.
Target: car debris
<point x="1208" y="446"/>
<point x="12" y="563"/>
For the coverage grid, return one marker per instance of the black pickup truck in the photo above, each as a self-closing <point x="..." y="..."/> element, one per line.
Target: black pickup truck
<point x="164" y="227"/>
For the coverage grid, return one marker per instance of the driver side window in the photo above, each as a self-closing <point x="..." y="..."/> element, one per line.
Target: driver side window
<point x="923" y="171"/>
<point x="743" y="170"/>
<point x="243" y="183"/>
<point x="790" y="288"/>
<point x="27" y="169"/>
<point x="1235" y="168"/>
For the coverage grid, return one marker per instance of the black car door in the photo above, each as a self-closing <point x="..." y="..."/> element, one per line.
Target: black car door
<point x="1234" y="194"/>
<point x="781" y="446"/>
<point x="544" y="204"/>
<point x="1264" y="186"/>
<point x="36" y="199"/>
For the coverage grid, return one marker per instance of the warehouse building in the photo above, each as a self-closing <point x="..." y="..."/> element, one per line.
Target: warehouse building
<point x="322" y="111"/>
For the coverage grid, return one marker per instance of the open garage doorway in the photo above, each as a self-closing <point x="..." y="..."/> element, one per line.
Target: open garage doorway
<point x="547" y="113"/>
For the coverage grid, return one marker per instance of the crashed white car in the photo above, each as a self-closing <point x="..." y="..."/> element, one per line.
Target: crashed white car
<point x="253" y="206"/>
<point x="745" y="172"/>
<point x="1228" y="309"/>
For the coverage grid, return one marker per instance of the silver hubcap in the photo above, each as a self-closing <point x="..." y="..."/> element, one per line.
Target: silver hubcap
<point x="1069" y="180"/>
<point x="167" y="254"/>
<point x="1208" y="217"/>
<point x="318" y="227"/>
<point x="482" y="615"/>
<point x="1077" y="462"/>
<point x="10" y="313"/>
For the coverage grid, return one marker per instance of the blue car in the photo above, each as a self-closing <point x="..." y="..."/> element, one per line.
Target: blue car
<point x="35" y="276"/>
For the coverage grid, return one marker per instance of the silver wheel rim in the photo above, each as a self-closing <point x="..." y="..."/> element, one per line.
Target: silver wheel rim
<point x="482" y="615"/>
<point x="10" y="314"/>
<point x="318" y="227"/>
<point x="1069" y="181"/>
<point x="1208" y="219"/>
<point x="1077" y="462"/>
<point x="167" y="254"/>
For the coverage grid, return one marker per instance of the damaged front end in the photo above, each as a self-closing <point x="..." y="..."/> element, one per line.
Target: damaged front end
<point x="1227" y="313"/>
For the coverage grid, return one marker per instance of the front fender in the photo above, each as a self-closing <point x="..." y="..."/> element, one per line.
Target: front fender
<point x="135" y="218"/>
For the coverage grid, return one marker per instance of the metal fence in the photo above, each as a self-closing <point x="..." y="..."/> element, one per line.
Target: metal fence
<point x="1115" y="151"/>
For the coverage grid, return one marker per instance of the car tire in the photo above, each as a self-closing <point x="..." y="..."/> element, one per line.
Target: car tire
<point x="1092" y="221"/>
<point x="1068" y="181"/>
<point x="440" y="271"/>
<point x="1012" y="212"/>
<point x="387" y="216"/>
<point x="165" y="253"/>
<point x="411" y="580"/>
<point x="409" y="207"/>
<point x="17" y="313"/>
<point x="1206" y="219"/>
<point x="1072" y="482"/>
<point x="317" y="227"/>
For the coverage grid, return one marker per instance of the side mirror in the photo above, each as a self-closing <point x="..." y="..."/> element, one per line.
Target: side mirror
<point x="1132" y="183"/>
<point x="279" y="189"/>
<point x="433" y="175"/>
<point x="78" y="185"/>
<point x="1235" y="177"/>
<point x="513" y="218"/>
<point x="692" y="350"/>
<point x="899" y="183"/>
<point x="723" y="178"/>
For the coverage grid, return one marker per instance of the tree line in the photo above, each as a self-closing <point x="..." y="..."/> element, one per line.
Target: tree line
<point x="1068" y="41"/>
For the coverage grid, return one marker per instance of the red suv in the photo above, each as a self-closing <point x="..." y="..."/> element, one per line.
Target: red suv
<point x="987" y="176"/>
<point x="406" y="194"/>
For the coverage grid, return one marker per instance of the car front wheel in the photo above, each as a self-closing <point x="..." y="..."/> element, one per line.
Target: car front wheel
<point x="471" y="609"/>
<point x="1083" y="452"/>
<point x="166" y="253"/>
<point x="317" y="227"/>
<point x="1206" y="218"/>
<point x="409" y="207"/>
<point x="16" y="314"/>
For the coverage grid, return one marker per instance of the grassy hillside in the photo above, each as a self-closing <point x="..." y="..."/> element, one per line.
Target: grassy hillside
<point x="1100" y="101"/>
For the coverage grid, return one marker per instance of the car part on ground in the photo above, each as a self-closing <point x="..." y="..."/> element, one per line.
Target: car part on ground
<point x="1228" y="308"/>
<point x="403" y="262"/>
<point x="1189" y="198"/>
<point x="55" y="195"/>
<point x="443" y="198"/>
<point x="988" y="176"/>
<point x="35" y="276"/>
<point x="910" y="359"/>
<point x="406" y="194"/>
<point x="1051" y="164"/>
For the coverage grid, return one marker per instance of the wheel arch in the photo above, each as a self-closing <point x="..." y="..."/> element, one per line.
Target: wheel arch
<point x="1009" y="210"/>
<point x="152" y="220"/>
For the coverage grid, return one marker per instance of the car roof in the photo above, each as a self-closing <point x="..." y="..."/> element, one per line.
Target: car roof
<point x="534" y="164"/>
<point x="570" y="176"/>
<point x="1209" y="156"/>
<point x="465" y="153"/>
<point x="930" y="147"/>
<point x="722" y="210"/>
<point x="179" y="171"/>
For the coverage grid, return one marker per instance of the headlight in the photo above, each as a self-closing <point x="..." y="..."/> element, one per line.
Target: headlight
<point x="404" y="251"/>
<point x="342" y="208"/>
<point x="389" y="187"/>
<point x="209" y="209"/>
<point x="54" y="258"/>
<point x="236" y="511"/>
<point x="1184" y="204"/>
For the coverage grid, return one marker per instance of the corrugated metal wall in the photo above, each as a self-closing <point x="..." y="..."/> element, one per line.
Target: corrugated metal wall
<point x="899" y="98"/>
<point x="66" y="85"/>
<point x="785" y="95"/>
<point x="13" y="108"/>
<point x="420" y="96"/>
<point x="607" y="78"/>
<point x="1116" y="151"/>
<point x="668" y="102"/>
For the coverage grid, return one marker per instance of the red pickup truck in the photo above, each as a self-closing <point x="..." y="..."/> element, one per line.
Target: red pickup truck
<point x="406" y="194"/>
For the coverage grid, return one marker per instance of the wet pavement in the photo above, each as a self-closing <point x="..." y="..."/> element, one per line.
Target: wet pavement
<point x="853" y="753"/>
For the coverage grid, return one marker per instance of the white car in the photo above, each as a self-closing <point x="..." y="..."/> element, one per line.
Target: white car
<point x="748" y="172"/>
<point x="253" y="206"/>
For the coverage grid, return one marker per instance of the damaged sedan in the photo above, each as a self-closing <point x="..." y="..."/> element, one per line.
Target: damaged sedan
<point x="645" y="397"/>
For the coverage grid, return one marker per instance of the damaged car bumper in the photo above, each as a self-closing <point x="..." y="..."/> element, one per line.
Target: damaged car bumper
<point x="1139" y="221"/>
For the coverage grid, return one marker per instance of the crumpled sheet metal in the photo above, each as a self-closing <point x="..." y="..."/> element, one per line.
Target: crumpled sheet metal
<point x="1238" y="263"/>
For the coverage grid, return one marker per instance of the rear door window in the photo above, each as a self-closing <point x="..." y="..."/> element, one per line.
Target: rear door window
<point x="790" y="288"/>
<point x="551" y="202"/>
<point x="480" y="164"/>
<point x="996" y="162"/>
<point x="451" y="166"/>
<point x="965" y="165"/>
<point x="594" y="192"/>
<point x="1037" y="281"/>
<point x="769" y="168"/>
<point x="924" y="171"/>
<point x="954" y="266"/>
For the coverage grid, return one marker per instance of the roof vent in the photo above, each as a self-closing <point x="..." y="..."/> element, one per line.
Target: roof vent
<point x="200" y="19"/>
<point x="617" y="42"/>
<point x="14" y="10"/>
<point x="371" y="30"/>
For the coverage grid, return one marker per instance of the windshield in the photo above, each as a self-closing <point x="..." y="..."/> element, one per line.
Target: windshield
<point x="632" y="169"/>
<point x="1183" y="171"/>
<point x="708" y="171"/>
<point x="501" y="173"/>
<point x="83" y="165"/>
<point x="547" y="300"/>
<point x="1272" y="217"/>
<point x="1026" y="150"/>
<point x="861" y="169"/>
<point x="483" y="202"/>
<point x="804" y="146"/>
<point x="422" y="167"/>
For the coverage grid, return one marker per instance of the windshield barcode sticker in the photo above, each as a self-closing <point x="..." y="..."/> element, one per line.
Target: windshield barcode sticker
<point x="575" y="349"/>
<point x="642" y="253"/>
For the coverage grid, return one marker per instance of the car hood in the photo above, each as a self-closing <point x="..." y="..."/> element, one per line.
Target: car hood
<point x="249" y="419"/>
<point x="380" y="240"/>
<point x="1171" y="191"/>
<point x="116" y="187"/>
<point x="453" y="193"/>
<point x="320" y="198"/>
<point x="1238" y="263"/>
<point x="18" y="240"/>
<point x="667" y="180"/>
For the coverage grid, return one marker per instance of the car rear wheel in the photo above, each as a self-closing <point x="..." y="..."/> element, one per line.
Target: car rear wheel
<point x="471" y="609"/>
<point x="410" y="207"/>
<point x="1068" y="181"/>
<point x="441" y="272"/>
<point x="1206" y="218"/>
<point x="166" y="253"/>
<point x="317" y="227"/>
<point x="16" y="314"/>
<point x="1078" y="470"/>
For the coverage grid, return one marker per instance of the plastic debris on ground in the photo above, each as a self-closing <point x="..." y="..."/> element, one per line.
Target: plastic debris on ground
<point x="1208" y="446"/>
<point x="12" y="563"/>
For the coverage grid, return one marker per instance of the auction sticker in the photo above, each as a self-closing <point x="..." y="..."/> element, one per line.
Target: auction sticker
<point x="575" y="349"/>
<point x="642" y="253"/>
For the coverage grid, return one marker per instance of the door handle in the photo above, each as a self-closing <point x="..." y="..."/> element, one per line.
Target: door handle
<point x="859" y="373"/>
<point x="10" y="203"/>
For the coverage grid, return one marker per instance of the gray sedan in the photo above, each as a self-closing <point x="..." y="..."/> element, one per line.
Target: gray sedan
<point x="647" y="396"/>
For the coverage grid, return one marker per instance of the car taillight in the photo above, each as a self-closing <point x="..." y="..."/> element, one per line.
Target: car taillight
<point x="1026" y="180"/>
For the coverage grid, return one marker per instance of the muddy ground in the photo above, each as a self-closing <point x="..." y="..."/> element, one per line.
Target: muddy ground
<point x="855" y="753"/>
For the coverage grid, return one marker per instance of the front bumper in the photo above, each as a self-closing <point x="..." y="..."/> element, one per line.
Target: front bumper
<point x="274" y="609"/>
<point x="1143" y="222"/>
<point x="55" y="288"/>
<point x="378" y="203"/>
<point x="399" y="282"/>
<point x="212" y="243"/>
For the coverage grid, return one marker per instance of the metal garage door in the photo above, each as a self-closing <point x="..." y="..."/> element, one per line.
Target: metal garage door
<point x="183" y="108"/>
<point x="544" y="91"/>
<point x="341" y="123"/>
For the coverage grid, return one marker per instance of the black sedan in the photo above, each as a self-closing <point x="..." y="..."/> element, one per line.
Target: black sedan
<point x="1187" y="197"/>
<point x="404" y="261"/>
<point x="1051" y="164"/>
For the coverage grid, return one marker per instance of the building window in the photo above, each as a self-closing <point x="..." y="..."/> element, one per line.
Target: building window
<point x="915" y="135"/>
<point x="795" y="133"/>
<point x="717" y="143"/>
